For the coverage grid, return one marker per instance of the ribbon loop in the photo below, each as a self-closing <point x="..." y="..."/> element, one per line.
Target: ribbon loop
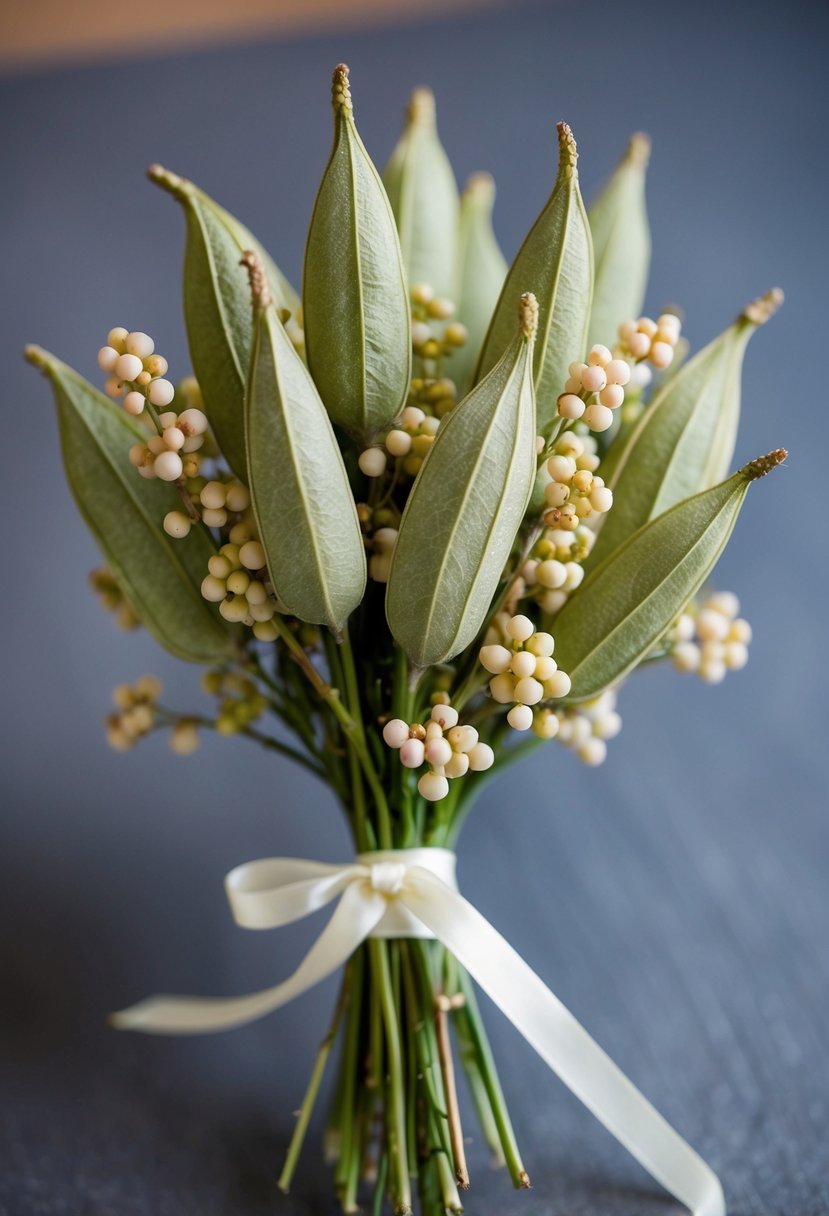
<point x="412" y="893"/>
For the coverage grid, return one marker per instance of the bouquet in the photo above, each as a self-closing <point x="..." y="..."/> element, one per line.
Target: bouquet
<point x="418" y="523"/>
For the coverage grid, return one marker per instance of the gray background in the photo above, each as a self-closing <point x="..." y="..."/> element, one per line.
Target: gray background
<point x="675" y="899"/>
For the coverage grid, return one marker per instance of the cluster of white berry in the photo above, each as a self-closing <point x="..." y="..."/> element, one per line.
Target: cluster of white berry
<point x="237" y="581"/>
<point x="241" y="702"/>
<point x="711" y="641"/>
<point x="134" y="371"/>
<point x="162" y="455"/>
<point x="524" y="673"/>
<point x="106" y="587"/>
<point x="586" y="727"/>
<point x="136" y="712"/>
<point x="549" y="579"/>
<point x="575" y="492"/>
<point x="595" y="389"/>
<point x="652" y="340"/>
<point x="427" y="340"/>
<point x="410" y="441"/>
<point x="449" y="750"/>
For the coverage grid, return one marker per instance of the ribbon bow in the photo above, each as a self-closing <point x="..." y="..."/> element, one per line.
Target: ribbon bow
<point x="412" y="893"/>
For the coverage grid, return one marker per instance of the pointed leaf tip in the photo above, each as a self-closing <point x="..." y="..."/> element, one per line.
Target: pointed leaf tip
<point x="764" y="464"/>
<point x="481" y="186"/>
<point x="421" y="110"/>
<point x="764" y="307"/>
<point x="178" y="186"/>
<point x="37" y="356"/>
<point x="528" y="315"/>
<point x="638" y="150"/>
<point x="259" y="289"/>
<point x="341" y="90"/>
<point x="568" y="153"/>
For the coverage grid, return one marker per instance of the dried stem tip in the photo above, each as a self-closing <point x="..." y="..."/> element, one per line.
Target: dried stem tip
<point x="481" y="186"/>
<point x="37" y="356"/>
<point x="259" y="288"/>
<point x="420" y="111"/>
<point x="175" y="185"/>
<point x="528" y="314"/>
<point x="639" y="150"/>
<point x="765" y="464"/>
<point x="567" y="151"/>
<point x="341" y="89"/>
<point x="764" y="307"/>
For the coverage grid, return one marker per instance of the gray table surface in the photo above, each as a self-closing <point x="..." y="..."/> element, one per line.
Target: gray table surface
<point x="675" y="899"/>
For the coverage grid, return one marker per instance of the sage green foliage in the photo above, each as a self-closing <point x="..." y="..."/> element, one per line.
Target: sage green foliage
<point x="621" y="246"/>
<point x="555" y="263"/>
<point x="159" y="576"/>
<point x="480" y="274"/>
<point x="423" y="194"/>
<point x="683" y="443"/>
<point x="355" y="299"/>
<point x="463" y="513"/>
<point x="301" y="498"/>
<point x="217" y="309"/>
<point x="629" y="601"/>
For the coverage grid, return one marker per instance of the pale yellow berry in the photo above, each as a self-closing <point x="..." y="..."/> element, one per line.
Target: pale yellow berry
<point x="379" y="567"/>
<point x="396" y="732"/>
<point x="481" y="757"/>
<point x="551" y="573"/>
<point x="139" y="344"/>
<point x="433" y="786"/>
<point x="661" y="354"/>
<point x="372" y="462"/>
<point x="557" y="686"/>
<point x="134" y="403"/>
<point x="522" y="664"/>
<point x="241" y="533"/>
<point x="736" y="655"/>
<point x="107" y="358"/>
<point x="213" y="495"/>
<point x="167" y="466"/>
<point x="438" y="752"/>
<point x="462" y="738"/>
<point x="192" y="422"/>
<point x="234" y="609"/>
<point x="598" y="417"/>
<point x="556" y="493"/>
<point x="127" y="367"/>
<point x="593" y="379"/>
<point x="528" y="691"/>
<point x="520" y="628"/>
<point x="545" y="724"/>
<point x="541" y="644"/>
<point x="740" y="631"/>
<point x="495" y="659"/>
<point x="149" y="687"/>
<point x="686" y="656"/>
<point x="412" y="753"/>
<point x="256" y="593"/>
<point x="117" y="337"/>
<point x="398" y="443"/>
<point x="612" y="396"/>
<point x="570" y="406"/>
<point x="252" y="555"/>
<point x="260" y="610"/>
<point x="457" y="765"/>
<point x="214" y="519"/>
<point x="601" y="499"/>
<point x="184" y="738"/>
<point x="544" y="667"/>
<point x="446" y="716"/>
<point x="502" y="688"/>
<point x="213" y="589"/>
<point x="712" y="626"/>
<point x="113" y="387"/>
<point x="712" y="671"/>
<point x="265" y="631"/>
<point x="618" y="372"/>
<point x="646" y="326"/>
<point x="725" y="602"/>
<point x="176" y="524"/>
<point x="238" y="582"/>
<point x="455" y="334"/>
<point x="520" y="717"/>
<point x="422" y="293"/>
<point x="173" y="438"/>
<point x="161" y="392"/>
<point x="599" y="356"/>
<point x="237" y="498"/>
<point x="593" y="752"/>
<point x="156" y="365"/>
<point x="220" y="565"/>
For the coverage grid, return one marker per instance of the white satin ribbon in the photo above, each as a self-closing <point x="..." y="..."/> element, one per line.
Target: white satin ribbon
<point x="412" y="893"/>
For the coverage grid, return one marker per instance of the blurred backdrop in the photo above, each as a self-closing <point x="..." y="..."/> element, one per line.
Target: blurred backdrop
<point x="676" y="898"/>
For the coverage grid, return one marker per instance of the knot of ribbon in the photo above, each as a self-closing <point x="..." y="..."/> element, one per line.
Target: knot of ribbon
<point x="413" y="893"/>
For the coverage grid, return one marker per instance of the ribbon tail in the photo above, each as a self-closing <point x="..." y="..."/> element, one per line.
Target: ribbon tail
<point x="563" y="1044"/>
<point x="354" y="918"/>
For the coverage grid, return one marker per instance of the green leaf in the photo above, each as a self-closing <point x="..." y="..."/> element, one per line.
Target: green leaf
<point x="480" y="275"/>
<point x="684" y="441"/>
<point x="629" y="601"/>
<point x="299" y="488"/>
<point x="621" y="245"/>
<point x="217" y="308"/>
<point x="465" y="509"/>
<point x="355" y="301"/>
<point x="424" y="198"/>
<point x="556" y="264"/>
<point x="160" y="577"/>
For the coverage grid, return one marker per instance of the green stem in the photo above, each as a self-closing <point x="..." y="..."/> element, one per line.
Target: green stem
<point x="309" y="1101"/>
<point x="396" y="1100"/>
